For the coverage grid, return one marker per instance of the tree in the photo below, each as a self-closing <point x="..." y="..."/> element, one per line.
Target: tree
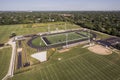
<point x="13" y="34"/>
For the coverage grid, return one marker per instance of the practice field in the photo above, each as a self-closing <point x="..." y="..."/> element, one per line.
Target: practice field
<point x="63" y="37"/>
<point x="75" y="64"/>
<point x="22" y="29"/>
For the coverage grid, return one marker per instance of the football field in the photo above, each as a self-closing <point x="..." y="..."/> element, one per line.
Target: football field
<point x="65" y="37"/>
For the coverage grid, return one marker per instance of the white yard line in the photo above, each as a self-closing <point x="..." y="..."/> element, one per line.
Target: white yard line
<point x="44" y="41"/>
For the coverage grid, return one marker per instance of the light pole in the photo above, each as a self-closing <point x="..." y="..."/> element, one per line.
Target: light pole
<point x="48" y="28"/>
<point x="66" y="40"/>
<point x="89" y="37"/>
<point x="65" y="26"/>
<point x="40" y="43"/>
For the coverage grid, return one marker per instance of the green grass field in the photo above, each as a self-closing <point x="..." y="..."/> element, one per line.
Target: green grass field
<point x="101" y="35"/>
<point x="22" y="29"/>
<point x="5" y="55"/>
<point x="61" y="38"/>
<point x="76" y="64"/>
<point x="38" y="42"/>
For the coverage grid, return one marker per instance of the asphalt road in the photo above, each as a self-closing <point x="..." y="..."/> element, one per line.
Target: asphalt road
<point x="19" y="65"/>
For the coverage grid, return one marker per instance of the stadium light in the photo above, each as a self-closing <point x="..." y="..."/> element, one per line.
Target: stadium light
<point x="48" y="28"/>
<point x="89" y="37"/>
<point x="57" y="29"/>
<point x="40" y="43"/>
<point x="65" y="26"/>
<point x="66" y="40"/>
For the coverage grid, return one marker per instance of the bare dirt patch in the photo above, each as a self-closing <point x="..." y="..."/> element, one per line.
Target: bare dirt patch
<point x="19" y="49"/>
<point x="63" y="50"/>
<point x="98" y="49"/>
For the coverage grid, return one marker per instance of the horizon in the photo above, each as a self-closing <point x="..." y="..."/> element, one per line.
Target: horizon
<point x="59" y="10"/>
<point x="59" y="5"/>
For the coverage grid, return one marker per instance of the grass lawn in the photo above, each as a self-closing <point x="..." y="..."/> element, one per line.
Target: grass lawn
<point x="101" y="35"/>
<point x="28" y="51"/>
<point x="5" y="55"/>
<point x="21" y="29"/>
<point x="76" y="64"/>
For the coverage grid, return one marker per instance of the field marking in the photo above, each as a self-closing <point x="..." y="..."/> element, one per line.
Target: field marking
<point x="66" y="72"/>
<point x="72" y="69"/>
<point x="45" y="75"/>
<point x="112" y="70"/>
<point x="90" y="70"/>
<point x="44" y="41"/>
<point x="78" y="69"/>
<point x="54" y="72"/>
<point x="62" y="61"/>
<point x="67" y="41"/>
<point x="63" y="34"/>
<point x="97" y="75"/>
<point x="50" y="73"/>
<point x="98" y="70"/>
<point x="41" y="74"/>
<point x="57" y="71"/>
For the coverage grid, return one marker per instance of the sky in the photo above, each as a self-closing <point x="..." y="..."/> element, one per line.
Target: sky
<point x="59" y="5"/>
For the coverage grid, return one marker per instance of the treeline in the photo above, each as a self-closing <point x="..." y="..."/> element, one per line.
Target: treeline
<point x="107" y="22"/>
<point x="28" y="17"/>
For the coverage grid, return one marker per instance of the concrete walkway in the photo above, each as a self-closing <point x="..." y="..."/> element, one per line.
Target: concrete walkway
<point x="12" y="61"/>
